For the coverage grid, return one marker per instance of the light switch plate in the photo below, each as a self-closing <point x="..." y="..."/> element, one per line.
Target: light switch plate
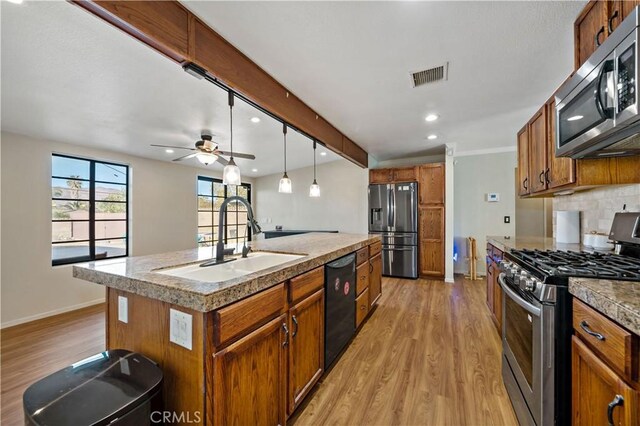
<point x="180" y="328"/>
<point x="123" y="309"/>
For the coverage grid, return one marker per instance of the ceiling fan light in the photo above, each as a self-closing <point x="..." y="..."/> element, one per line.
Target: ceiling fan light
<point x="206" y="158"/>
<point x="285" y="185"/>
<point x="314" y="189"/>
<point x="231" y="174"/>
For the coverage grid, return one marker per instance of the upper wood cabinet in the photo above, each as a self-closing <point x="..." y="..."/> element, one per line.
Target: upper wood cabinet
<point x="431" y="184"/>
<point x="560" y="171"/>
<point x="405" y="174"/>
<point x="377" y="176"/>
<point x="523" y="161"/>
<point x="396" y="175"/>
<point x="590" y="30"/>
<point x="538" y="150"/>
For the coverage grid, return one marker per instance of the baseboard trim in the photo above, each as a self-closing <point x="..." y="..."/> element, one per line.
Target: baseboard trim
<point x="51" y="313"/>
<point x="449" y="280"/>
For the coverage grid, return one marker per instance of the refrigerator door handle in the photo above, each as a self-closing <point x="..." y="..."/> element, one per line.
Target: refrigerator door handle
<point x="392" y="210"/>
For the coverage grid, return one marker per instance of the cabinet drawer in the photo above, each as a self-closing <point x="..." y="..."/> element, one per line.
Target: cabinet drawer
<point x="375" y="248"/>
<point x="306" y="284"/>
<point x="362" y="307"/>
<point x="246" y="315"/>
<point x="362" y="277"/>
<point x="617" y="346"/>
<point x="362" y="255"/>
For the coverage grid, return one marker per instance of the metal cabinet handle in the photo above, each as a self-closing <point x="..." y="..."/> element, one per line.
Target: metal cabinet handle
<point x="295" y="324"/>
<point x="286" y="334"/>
<point x="613" y="16"/>
<point x="546" y="177"/>
<point x="370" y="267"/>
<point x="541" y="177"/>
<point x="585" y="326"/>
<point x="524" y="183"/>
<point x="597" y="40"/>
<point x="618" y="400"/>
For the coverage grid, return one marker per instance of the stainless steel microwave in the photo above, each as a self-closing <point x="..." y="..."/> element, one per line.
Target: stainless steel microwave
<point x="597" y="109"/>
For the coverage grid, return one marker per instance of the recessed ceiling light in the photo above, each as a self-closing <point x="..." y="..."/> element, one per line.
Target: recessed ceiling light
<point x="575" y="118"/>
<point x="254" y="170"/>
<point x="323" y="153"/>
<point x="432" y="137"/>
<point x="255" y="119"/>
<point x="431" y="117"/>
<point x="168" y="151"/>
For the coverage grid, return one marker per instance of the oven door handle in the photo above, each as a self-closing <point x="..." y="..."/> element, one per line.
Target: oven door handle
<point x="532" y="309"/>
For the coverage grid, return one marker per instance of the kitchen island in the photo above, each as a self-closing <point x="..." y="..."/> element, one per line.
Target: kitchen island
<point x="246" y="349"/>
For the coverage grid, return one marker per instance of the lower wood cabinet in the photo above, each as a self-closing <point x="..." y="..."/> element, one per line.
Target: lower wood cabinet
<point x="600" y="396"/>
<point x="306" y="351"/>
<point x="362" y="307"/>
<point x="375" y="279"/>
<point x="248" y="385"/>
<point x="431" y="226"/>
<point x="494" y="291"/>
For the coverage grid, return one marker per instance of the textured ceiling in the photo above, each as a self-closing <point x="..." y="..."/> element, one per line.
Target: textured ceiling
<point x="70" y="77"/>
<point x="351" y="61"/>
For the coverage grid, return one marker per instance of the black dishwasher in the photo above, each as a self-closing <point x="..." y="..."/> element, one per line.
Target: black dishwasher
<point x="340" y="306"/>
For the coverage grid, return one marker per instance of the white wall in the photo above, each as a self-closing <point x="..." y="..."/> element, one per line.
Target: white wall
<point x="474" y="177"/>
<point x="163" y="218"/>
<point x="342" y="205"/>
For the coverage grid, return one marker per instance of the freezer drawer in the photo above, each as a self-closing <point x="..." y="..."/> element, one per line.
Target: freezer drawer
<point x="398" y="238"/>
<point x="400" y="261"/>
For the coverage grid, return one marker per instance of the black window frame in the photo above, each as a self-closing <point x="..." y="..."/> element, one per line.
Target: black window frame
<point x="214" y="212"/>
<point x="92" y="211"/>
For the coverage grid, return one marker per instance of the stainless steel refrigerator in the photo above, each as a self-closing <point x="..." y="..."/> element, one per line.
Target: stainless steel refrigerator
<point x="393" y="213"/>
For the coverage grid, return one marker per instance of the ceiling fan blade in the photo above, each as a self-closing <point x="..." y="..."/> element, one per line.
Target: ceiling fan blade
<point x="171" y="146"/>
<point x="184" y="157"/>
<point x="222" y="161"/>
<point x="237" y="155"/>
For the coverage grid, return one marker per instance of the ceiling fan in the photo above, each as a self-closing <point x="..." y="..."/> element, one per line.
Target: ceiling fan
<point x="207" y="152"/>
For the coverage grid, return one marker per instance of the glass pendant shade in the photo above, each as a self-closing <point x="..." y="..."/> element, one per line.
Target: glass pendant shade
<point x="231" y="174"/>
<point x="314" y="189"/>
<point x="285" y="185"/>
<point x="205" y="158"/>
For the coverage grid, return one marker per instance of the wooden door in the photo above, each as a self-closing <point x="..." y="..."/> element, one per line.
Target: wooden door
<point x="523" y="161"/>
<point x="249" y="382"/>
<point x="405" y="174"/>
<point x="431" y="240"/>
<point x="594" y="386"/>
<point x="497" y="297"/>
<point x="538" y="150"/>
<point x="590" y="30"/>
<point x="560" y="170"/>
<point x="431" y="184"/>
<point x="380" y="175"/>
<point x="375" y="279"/>
<point x="306" y="354"/>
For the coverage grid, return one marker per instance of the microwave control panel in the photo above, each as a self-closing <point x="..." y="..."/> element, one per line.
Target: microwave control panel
<point x="626" y="79"/>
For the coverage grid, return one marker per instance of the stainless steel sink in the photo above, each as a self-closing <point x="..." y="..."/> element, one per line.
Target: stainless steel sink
<point x="254" y="262"/>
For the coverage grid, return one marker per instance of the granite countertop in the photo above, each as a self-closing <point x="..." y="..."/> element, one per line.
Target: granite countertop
<point x="531" y="243"/>
<point x="137" y="274"/>
<point x="619" y="300"/>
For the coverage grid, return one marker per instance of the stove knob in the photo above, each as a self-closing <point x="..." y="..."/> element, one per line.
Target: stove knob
<point x="530" y="284"/>
<point x="505" y="265"/>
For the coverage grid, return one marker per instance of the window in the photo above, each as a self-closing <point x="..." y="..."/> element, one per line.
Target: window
<point x="211" y="195"/>
<point x="89" y="210"/>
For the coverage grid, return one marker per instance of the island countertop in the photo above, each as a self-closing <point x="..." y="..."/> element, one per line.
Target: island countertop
<point x="139" y="274"/>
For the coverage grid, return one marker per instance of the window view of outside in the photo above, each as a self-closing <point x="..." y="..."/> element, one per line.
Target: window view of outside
<point x="211" y="194"/>
<point x="88" y="210"/>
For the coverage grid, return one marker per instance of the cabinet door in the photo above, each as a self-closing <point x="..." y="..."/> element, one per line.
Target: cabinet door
<point x="405" y="174"/>
<point x="595" y="386"/>
<point x="306" y="354"/>
<point x="590" y="30"/>
<point x="431" y="184"/>
<point x="497" y="297"/>
<point x="560" y="170"/>
<point x="538" y="150"/>
<point x="380" y="176"/>
<point x="490" y="285"/>
<point x="362" y="307"/>
<point x="618" y="10"/>
<point x="523" y="161"/>
<point x="375" y="279"/>
<point x="249" y="381"/>
<point x="362" y="277"/>
<point x="431" y="240"/>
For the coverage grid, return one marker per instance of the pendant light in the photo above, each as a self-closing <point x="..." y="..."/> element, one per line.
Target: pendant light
<point x="231" y="172"/>
<point x="314" y="189"/>
<point x="285" y="182"/>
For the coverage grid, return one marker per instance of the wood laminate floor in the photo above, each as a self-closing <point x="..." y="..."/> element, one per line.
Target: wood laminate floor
<point x="429" y="355"/>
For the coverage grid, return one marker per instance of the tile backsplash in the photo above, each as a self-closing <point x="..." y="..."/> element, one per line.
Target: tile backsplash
<point x="598" y="206"/>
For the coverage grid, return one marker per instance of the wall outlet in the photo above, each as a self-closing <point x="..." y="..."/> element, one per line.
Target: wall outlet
<point x="123" y="309"/>
<point x="180" y="328"/>
<point x="507" y="219"/>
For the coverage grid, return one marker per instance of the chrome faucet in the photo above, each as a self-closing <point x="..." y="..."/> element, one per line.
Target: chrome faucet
<point x="222" y="217"/>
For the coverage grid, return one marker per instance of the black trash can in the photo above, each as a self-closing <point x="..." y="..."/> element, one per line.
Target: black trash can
<point x="116" y="387"/>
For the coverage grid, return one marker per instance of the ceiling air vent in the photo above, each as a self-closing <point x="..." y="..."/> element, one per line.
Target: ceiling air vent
<point x="430" y="75"/>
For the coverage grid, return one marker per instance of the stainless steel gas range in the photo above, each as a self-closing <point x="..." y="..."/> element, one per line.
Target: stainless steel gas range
<point x="537" y="319"/>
